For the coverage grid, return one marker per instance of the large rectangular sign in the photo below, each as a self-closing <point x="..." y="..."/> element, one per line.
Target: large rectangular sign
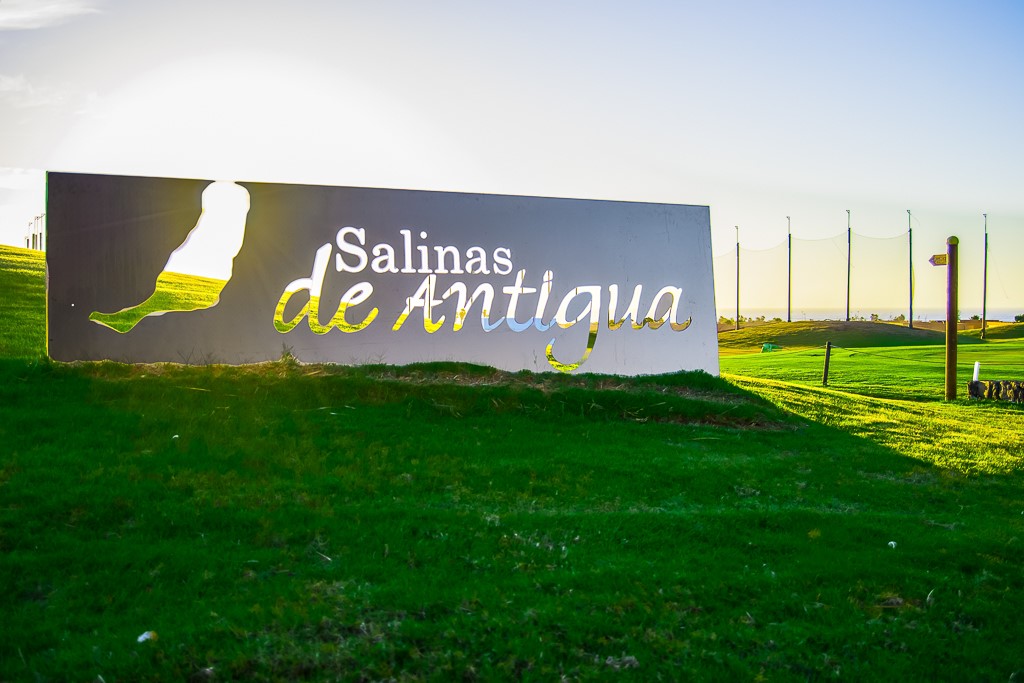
<point x="157" y="269"/>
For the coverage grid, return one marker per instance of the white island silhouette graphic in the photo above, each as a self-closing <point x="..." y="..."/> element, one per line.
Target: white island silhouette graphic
<point x="197" y="271"/>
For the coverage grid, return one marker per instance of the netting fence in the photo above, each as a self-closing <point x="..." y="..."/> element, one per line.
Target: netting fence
<point x="855" y="276"/>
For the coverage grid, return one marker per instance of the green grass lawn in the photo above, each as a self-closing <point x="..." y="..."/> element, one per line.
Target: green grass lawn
<point x="446" y="521"/>
<point x="900" y="372"/>
<point x="22" y="303"/>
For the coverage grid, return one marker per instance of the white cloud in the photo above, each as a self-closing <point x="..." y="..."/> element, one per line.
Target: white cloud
<point x="29" y="14"/>
<point x="19" y="92"/>
<point x="21" y="178"/>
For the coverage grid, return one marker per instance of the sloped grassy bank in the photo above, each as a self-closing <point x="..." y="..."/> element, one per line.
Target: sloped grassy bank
<point x="22" y="303"/>
<point x="285" y="522"/>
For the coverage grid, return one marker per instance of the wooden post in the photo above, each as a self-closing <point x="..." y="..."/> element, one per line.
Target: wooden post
<point x="828" y="356"/>
<point x="951" y="316"/>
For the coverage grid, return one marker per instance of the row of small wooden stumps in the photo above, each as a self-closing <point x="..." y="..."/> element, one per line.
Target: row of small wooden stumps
<point x="997" y="390"/>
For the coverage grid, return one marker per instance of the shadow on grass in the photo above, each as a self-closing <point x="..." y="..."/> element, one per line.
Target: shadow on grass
<point x="442" y="520"/>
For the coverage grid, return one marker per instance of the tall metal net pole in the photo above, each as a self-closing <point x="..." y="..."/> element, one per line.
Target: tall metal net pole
<point x="789" y="271"/>
<point x="849" y="261"/>
<point x="984" y="283"/>
<point x="737" y="277"/>
<point x="910" y="270"/>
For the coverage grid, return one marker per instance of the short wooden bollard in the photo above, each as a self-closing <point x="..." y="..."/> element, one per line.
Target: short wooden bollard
<point x="828" y="355"/>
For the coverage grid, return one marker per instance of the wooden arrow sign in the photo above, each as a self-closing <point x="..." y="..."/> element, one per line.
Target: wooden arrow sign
<point x="938" y="259"/>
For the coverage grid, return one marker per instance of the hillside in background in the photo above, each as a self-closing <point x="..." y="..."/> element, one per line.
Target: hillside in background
<point x="23" y="302"/>
<point x="807" y="334"/>
<point x="999" y="331"/>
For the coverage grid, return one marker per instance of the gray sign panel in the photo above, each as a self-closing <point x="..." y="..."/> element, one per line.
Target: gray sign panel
<point x="156" y="269"/>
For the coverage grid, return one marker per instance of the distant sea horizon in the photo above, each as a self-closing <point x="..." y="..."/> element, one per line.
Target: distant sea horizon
<point x="926" y="314"/>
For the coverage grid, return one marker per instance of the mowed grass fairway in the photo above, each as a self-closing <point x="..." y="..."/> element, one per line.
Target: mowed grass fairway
<point x="440" y="522"/>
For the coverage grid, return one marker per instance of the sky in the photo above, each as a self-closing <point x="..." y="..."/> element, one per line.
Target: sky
<point x="758" y="110"/>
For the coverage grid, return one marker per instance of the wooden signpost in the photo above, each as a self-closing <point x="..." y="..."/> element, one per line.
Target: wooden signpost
<point x="949" y="260"/>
